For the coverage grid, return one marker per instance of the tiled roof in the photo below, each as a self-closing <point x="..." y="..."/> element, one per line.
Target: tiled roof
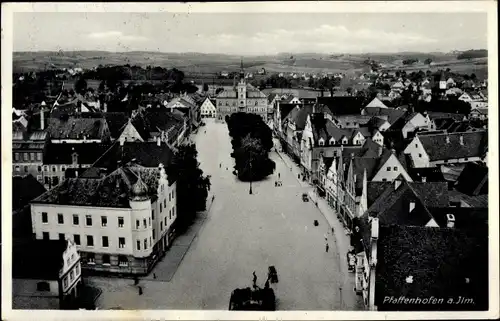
<point x="147" y="154"/>
<point x="376" y="103"/>
<point x="76" y="128"/>
<point x="300" y="119"/>
<point x="419" y="262"/>
<point x="348" y="120"/>
<point x="473" y="179"/>
<point x="371" y="164"/>
<point x="438" y="149"/>
<point x="28" y="254"/>
<point x="342" y="105"/>
<point x="435" y="115"/>
<point x="24" y="189"/>
<point x="286" y="108"/>
<point x="476" y="201"/>
<point x="465" y="217"/>
<point x="112" y="191"/>
<point x="252" y="92"/>
<point x="62" y="153"/>
<point x="116" y="123"/>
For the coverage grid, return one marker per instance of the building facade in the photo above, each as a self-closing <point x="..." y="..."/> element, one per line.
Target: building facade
<point x="121" y="224"/>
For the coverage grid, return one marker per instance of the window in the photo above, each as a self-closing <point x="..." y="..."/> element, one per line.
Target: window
<point x="161" y="226"/>
<point x="90" y="258"/>
<point x="76" y="238"/>
<point x="165" y="201"/>
<point x="150" y="241"/>
<point x="137" y="223"/>
<point x="153" y="214"/>
<point x="26" y="168"/>
<point x="145" y="244"/>
<point x="17" y="169"/>
<point x="90" y="240"/>
<point x="170" y="214"/>
<point x="38" y="156"/>
<point x="395" y="168"/>
<point x="45" y="218"/>
<point x="105" y="241"/>
<point x="43" y="286"/>
<point x="138" y="245"/>
<point x="62" y="237"/>
<point x="165" y="221"/>
<point x="173" y="211"/>
<point x="65" y="282"/>
<point x="76" y="219"/>
<point x="384" y="179"/>
<point x="77" y="269"/>
<point x="161" y="208"/>
<point x="104" y="221"/>
<point x="416" y="145"/>
<point x="16" y="156"/>
<point x="419" y="155"/>
<point x="55" y="180"/>
<point x="106" y="260"/>
<point x="154" y="236"/>
<point x="60" y="218"/>
<point x="25" y="156"/>
<point x="53" y="168"/>
<point x="466" y="159"/>
<point x="121" y="242"/>
<point x="120" y="221"/>
<point x="122" y="260"/>
<point x="68" y="261"/>
<point x="32" y="156"/>
<point x="47" y="179"/>
<point x="46" y="235"/>
<point x="150" y="221"/>
<point x="88" y="220"/>
<point x="63" y="168"/>
<point x="39" y="168"/>
<point x="388" y="168"/>
<point x="145" y="223"/>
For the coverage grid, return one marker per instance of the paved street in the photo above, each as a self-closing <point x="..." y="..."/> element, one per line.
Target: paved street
<point x="241" y="234"/>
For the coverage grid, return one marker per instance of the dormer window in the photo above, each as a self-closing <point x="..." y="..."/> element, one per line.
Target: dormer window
<point x="344" y="141"/>
<point x="332" y="142"/>
<point x="321" y="142"/>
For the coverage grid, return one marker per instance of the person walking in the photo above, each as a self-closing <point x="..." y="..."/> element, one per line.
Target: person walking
<point x="327" y="247"/>
<point x="220" y="165"/>
<point x="279" y="175"/>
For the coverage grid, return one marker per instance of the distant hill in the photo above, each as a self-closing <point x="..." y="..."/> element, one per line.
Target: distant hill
<point x="202" y="63"/>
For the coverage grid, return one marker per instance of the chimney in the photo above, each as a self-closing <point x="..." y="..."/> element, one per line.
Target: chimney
<point x="450" y="220"/>
<point x="461" y="140"/>
<point x="397" y="183"/>
<point x="158" y="141"/>
<point x="42" y="118"/>
<point x="424" y="179"/>
<point x="412" y="206"/>
<point x="447" y="139"/>
<point x="76" y="173"/>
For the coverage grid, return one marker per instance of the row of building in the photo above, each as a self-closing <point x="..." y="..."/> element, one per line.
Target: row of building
<point x="411" y="189"/>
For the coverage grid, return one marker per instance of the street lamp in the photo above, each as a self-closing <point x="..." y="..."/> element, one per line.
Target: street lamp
<point x="250" y="191"/>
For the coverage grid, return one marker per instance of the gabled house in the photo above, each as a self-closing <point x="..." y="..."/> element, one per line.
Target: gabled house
<point x="400" y="267"/>
<point x="450" y="83"/>
<point x="71" y="129"/>
<point x="376" y="103"/>
<point x="187" y="105"/>
<point x="479" y="113"/>
<point x="410" y="123"/>
<point x="27" y="152"/>
<point x="450" y="148"/>
<point x="389" y="114"/>
<point x="341" y="105"/>
<point x="398" y="86"/>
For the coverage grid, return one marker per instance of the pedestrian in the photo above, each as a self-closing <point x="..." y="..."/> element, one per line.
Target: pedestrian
<point x="226" y="168"/>
<point x="140" y="290"/>
<point x="275" y="183"/>
<point x="267" y="284"/>
<point x="220" y="165"/>
<point x="136" y="280"/>
<point x="254" y="279"/>
<point x="278" y="175"/>
<point x="154" y="275"/>
<point x="332" y="230"/>
<point x="327" y="247"/>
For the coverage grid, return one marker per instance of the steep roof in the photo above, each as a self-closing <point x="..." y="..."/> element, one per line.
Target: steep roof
<point x="147" y="154"/>
<point x="376" y="103"/>
<point x="113" y="190"/>
<point x="63" y="153"/>
<point x="419" y="262"/>
<point x="391" y="113"/>
<point x="436" y="115"/>
<point x="301" y="118"/>
<point x="342" y="105"/>
<point x="371" y="164"/>
<point x="24" y="189"/>
<point x="285" y="109"/>
<point x="465" y="217"/>
<point x="27" y="254"/>
<point x="473" y="179"/>
<point x="474" y="144"/>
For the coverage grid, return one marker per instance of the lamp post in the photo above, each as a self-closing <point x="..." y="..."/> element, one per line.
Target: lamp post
<point x="250" y="191"/>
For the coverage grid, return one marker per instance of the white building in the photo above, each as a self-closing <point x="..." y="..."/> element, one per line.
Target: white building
<point x="120" y="223"/>
<point x="45" y="274"/>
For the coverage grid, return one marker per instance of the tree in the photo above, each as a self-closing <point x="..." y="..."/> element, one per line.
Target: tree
<point x="428" y="61"/>
<point x="81" y="86"/>
<point x="192" y="185"/>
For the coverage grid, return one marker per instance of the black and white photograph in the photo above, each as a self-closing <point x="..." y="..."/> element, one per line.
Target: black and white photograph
<point x="266" y="157"/>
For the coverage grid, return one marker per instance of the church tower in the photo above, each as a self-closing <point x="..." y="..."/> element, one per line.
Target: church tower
<point x="242" y="88"/>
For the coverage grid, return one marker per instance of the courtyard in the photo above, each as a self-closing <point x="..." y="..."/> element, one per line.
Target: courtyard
<point x="240" y="234"/>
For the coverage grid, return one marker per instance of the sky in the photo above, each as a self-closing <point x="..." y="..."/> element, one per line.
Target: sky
<point x="250" y="33"/>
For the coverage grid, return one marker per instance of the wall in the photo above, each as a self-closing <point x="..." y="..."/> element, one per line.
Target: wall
<point x="415" y="149"/>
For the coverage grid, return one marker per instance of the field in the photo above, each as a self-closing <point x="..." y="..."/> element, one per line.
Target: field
<point x="207" y="66"/>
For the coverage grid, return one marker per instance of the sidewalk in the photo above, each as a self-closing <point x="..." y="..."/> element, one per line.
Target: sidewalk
<point x="342" y="239"/>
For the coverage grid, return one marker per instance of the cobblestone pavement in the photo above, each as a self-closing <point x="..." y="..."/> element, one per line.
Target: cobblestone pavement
<point x="244" y="233"/>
